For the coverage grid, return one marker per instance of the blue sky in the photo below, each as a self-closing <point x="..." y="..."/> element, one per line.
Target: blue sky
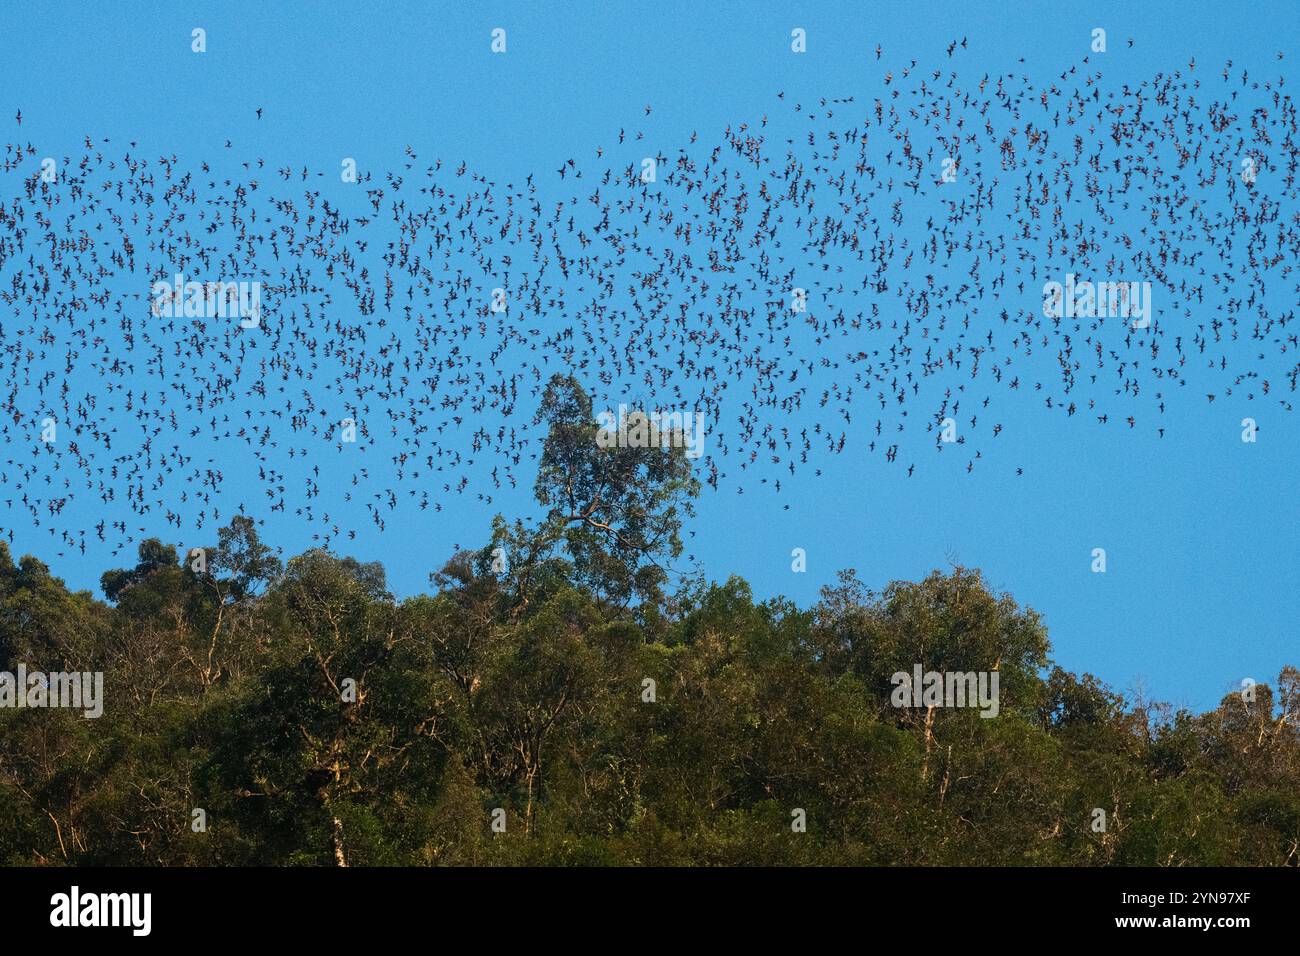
<point x="1200" y="529"/>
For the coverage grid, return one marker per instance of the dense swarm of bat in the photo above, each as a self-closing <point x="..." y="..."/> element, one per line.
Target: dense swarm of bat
<point x="924" y="297"/>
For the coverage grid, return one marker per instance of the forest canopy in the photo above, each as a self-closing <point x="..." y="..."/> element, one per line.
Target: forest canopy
<point x="562" y="696"/>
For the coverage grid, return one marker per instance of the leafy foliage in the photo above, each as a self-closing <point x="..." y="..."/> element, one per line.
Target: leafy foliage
<point x="317" y="720"/>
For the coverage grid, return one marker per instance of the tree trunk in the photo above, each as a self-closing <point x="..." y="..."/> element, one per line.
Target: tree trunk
<point x="929" y="742"/>
<point x="531" y="777"/>
<point x="339" y="858"/>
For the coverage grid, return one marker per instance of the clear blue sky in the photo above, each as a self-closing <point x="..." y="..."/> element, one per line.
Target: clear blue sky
<point x="1200" y="529"/>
